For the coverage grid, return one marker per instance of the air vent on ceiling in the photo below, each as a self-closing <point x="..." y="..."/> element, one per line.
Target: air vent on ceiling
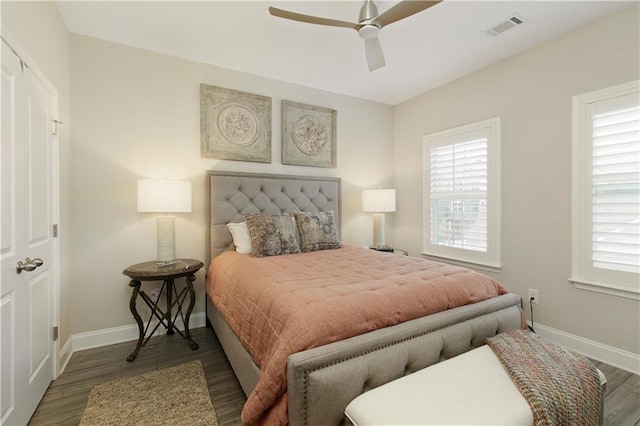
<point x="511" y="22"/>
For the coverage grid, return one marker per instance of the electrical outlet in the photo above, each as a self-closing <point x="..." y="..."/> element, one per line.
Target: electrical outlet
<point x="533" y="296"/>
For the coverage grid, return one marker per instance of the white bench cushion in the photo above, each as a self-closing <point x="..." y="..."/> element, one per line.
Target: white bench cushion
<point x="471" y="388"/>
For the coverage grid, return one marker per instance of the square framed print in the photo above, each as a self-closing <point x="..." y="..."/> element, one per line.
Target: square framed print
<point x="234" y="125"/>
<point x="308" y="135"/>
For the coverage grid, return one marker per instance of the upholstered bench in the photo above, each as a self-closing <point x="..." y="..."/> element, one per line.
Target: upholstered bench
<point x="471" y="388"/>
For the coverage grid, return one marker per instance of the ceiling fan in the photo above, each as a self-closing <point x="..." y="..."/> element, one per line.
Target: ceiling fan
<point x="369" y="23"/>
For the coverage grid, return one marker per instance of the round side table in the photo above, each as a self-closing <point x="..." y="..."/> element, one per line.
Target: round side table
<point x="153" y="271"/>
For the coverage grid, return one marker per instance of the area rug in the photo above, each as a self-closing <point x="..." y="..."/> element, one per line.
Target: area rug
<point x="172" y="396"/>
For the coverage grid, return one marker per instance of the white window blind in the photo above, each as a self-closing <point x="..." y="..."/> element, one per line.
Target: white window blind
<point x="616" y="189"/>
<point x="606" y="198"/>
<point x="459" y="195"/>
<point x="462" y="193"/>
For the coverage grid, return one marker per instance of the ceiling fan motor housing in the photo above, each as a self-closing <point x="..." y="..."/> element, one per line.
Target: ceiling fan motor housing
<point x="368" y="13"/>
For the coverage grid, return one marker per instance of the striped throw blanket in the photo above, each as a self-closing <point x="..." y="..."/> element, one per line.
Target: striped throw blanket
<point x="562" y="387"/>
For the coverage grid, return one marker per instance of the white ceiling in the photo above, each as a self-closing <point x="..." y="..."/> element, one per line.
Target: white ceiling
<point x="423" y="51"/>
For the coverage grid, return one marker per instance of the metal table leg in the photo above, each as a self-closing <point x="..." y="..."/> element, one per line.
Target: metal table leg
<point x="170" y="288"/>
<point x="192" y="300"/>
<point x="132" y="305"/>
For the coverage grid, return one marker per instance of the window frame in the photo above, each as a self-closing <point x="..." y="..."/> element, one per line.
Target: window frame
<point x="492" y="257"/>
<point x="583" y="274"/>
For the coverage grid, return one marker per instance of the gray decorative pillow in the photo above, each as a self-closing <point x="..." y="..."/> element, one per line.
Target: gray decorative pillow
<point x="318" y="231"/>
<point x="272" y="235"/>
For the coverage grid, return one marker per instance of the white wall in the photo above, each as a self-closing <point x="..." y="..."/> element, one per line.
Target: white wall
<point x="40" y="31"/>
<point x="136" y="115"/>
<point x="532" y="93"/>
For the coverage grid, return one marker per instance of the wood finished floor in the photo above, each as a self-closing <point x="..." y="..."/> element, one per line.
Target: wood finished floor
<point x="66" y="398"/>
<point x="64" y="401"/>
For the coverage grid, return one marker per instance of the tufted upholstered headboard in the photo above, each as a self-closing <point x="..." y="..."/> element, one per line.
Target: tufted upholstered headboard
<point x="231" y="194"/>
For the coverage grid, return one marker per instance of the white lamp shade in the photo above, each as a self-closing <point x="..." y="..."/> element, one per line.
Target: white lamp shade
<point x="379" y="200"/>
<point x="164" y="196"/>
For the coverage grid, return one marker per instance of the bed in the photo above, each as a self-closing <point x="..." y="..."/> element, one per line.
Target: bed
<point x="321" y="380"/>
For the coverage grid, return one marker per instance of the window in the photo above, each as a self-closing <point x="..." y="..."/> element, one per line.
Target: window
<point x="606" y="191"/>
<point x="462" y="193"/>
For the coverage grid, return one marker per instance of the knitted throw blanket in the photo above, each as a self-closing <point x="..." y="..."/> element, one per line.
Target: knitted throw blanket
<point x="562" y="388"/>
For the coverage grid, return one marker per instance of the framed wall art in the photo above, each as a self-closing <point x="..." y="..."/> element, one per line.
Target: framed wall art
<point x="234" y="125"/>
<point x="308" y="135"/>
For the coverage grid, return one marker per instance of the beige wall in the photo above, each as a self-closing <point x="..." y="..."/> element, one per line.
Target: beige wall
<point x="40" y="31"/>
<point x="136" y="115"/>
<point x="532" y="93"/>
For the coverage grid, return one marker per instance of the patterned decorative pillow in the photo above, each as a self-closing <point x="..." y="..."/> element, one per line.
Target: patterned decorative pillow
<point x="318" y="231"/>
<point x="272" y="235"/>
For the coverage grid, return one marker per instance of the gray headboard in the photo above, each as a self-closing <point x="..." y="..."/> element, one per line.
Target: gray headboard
<point x="232" y="194"/>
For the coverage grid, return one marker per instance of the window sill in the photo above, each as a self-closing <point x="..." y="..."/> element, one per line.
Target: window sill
<point x="465" y="263"/>
<point x="611" y="289"/>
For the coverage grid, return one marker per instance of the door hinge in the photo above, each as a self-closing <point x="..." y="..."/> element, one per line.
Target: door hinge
<point x="55" y="231"/>
<point x="54" y="126"/>
<point x="55" y="333"/>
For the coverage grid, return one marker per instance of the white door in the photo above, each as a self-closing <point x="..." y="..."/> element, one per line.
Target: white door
<point x="26" y="297"/>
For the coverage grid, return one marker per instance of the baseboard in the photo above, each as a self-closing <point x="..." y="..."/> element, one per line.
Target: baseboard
<point x="126" y="333"/>
<point x="65" y="354"/>
<point x="618" y="358"/>
<point x="624" y="360"/>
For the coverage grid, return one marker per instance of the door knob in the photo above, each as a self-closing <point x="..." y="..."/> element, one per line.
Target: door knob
<point x="25" y="266"/>
<point x="37" y="261"/>
<point x="28" y="264"/>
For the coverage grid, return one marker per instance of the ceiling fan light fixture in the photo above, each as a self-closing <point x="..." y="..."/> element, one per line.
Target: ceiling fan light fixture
<point x="369" y="31"/>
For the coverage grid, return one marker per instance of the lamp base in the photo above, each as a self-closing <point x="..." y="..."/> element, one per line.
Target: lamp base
<point x="166" y="263"/>
<point x="166" y="239"/>
<point x="387" y="249"/>
<point x="378" y="230"/>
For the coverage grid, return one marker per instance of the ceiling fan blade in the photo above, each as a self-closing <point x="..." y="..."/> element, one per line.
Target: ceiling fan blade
<point x="373" y="51"/>
<point x="403" y="10"/>
<point x="311" y="19"/>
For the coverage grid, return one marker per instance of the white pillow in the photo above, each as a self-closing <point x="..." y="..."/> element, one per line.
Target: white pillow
<point x="240" y="235"/>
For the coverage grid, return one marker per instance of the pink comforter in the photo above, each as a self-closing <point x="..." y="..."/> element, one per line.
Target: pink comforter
<point x="281" y="305"/>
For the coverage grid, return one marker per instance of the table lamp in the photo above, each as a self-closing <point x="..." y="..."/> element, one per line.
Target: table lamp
<point x="164" y="196"/>
<point x="379" y="201"/>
